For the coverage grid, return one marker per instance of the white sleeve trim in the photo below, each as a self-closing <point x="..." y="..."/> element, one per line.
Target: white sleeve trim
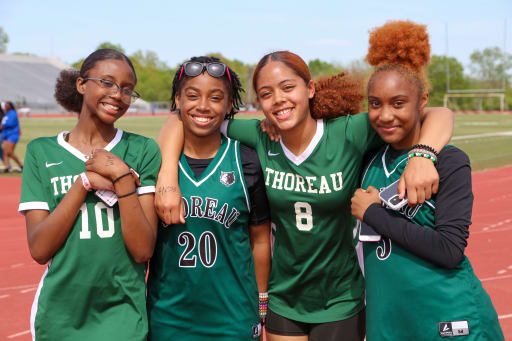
<point x="146" y="189"/>
<point x="33" y="205"/>
<point x="224" y="127"/>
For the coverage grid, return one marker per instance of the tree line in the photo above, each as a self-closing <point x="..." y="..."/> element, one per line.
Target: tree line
<point x="489" y="69"/>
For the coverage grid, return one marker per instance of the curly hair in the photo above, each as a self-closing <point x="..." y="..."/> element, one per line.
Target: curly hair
<point x="66" y="93"/>
<point x="402" y="46"/>
<point x="233" y="85"/>
<point x="335" y="96"/>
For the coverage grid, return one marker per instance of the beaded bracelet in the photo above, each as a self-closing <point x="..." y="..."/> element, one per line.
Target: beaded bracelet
<point x="85" y="182"/>
<point x="423" y="153"/>
<point x="426" y="147"/>
<point x="263" y="304"/>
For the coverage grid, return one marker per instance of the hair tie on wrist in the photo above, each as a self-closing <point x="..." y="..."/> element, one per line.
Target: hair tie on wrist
<point x="126" y="195"/>
<point x="121" y="176"/>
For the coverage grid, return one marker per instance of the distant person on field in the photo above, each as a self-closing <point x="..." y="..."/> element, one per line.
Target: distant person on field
<point x="10" y="134"/>
<point x="1" y="116"/>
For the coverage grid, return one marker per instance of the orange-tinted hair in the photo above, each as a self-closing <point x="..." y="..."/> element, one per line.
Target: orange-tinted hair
<point x="402" y="46"/>
<point x="335" y="96"/>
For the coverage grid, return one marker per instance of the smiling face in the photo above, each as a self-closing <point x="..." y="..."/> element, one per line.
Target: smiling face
<point x="99" y="102"/>
<point x="283" y="95"/>
<point x="394" y="107"/>
<point x="203" y="102"/>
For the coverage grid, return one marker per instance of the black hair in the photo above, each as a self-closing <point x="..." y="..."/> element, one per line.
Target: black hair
<point x="11" y="105"/>
<point x="66" y="93"/>
<point x="234" y="87"/>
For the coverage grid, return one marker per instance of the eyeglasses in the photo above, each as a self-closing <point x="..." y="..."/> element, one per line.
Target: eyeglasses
<point x="128" y="96"/>
<point x="214" y="69"/>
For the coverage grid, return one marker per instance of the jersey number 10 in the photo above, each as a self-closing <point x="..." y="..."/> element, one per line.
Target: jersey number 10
<point x="102" y="233"/>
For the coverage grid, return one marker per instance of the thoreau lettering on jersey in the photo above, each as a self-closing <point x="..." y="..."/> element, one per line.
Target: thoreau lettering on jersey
<point x="207" y="208"/>
<point x="309" y="184"/>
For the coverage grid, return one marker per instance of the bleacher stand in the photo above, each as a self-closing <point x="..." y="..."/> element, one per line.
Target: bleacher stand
<point x="29" y="82"/>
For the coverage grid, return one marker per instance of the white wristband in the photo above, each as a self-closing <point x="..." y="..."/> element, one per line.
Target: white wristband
<point x="85" y="182"/>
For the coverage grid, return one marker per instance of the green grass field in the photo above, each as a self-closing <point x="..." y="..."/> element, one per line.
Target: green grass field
<point x="485" y="149"/>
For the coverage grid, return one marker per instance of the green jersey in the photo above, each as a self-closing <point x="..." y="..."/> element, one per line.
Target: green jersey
<point x="409" y="298"/>
<point x="315" y="276"/>
<point x="92" y="288"/>
<point x="201" y="282"/>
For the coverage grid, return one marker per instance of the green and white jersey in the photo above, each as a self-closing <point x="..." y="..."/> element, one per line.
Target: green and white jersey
<point x="315" y="276"/>
<point x="92" y="288"/>
<point x="201" y="282"/>
<point x="409" y="298"/>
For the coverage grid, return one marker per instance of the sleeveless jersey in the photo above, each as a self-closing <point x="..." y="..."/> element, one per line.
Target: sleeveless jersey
<point x="315" y="276"/>
<point x="201" y="282"/>
<point x="409" y="298"/>
<point x="92" y="288"/>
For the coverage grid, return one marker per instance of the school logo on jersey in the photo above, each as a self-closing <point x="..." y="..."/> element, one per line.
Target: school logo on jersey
<point x="227" y="178"/>
<point x="454" y="328"/>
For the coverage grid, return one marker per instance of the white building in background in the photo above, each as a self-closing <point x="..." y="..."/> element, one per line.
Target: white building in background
<point x="29" y="82"/>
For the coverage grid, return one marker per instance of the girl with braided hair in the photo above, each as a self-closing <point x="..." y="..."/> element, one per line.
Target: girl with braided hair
<point x="206" y="272"/>
<point x="419" y="284"/>
<point x="316" y="288"/>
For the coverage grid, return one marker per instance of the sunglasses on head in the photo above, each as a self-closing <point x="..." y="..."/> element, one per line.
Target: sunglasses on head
<point x="214" y="69"/>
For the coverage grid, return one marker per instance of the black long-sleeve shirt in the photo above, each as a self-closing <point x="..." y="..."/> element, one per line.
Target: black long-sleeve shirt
<point x="444" y="244"/>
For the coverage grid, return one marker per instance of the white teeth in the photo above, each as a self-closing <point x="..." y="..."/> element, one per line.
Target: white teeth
<point x="110" y="106"/>
<point x="283" y="112"/>
<point x="201" y="119"/>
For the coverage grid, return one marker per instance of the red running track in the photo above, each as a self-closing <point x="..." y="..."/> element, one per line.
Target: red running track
<point x="489" y="251"/>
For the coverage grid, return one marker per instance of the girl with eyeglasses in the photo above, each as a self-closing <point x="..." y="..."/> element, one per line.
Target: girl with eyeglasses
<point x="87" y="196"/>
<point x="208" y="276"/>
<point x="316" y="288"/>
<point x="419" y="284"/>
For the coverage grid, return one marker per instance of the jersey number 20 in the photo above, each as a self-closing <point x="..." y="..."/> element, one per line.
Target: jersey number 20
<point x="207" y="249"/>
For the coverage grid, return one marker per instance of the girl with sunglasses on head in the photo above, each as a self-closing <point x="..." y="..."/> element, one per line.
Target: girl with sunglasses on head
<point x="316" y="288"/>
<point x="419" y="284"/>
<point x="96" y="249"/>
<point x="206" y="272"/>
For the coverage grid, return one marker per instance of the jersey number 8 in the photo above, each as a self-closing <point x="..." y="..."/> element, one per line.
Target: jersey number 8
<point x="303" y="216"/>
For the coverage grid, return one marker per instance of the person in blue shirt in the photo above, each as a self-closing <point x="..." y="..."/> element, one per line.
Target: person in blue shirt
<point x="10" y="134"/>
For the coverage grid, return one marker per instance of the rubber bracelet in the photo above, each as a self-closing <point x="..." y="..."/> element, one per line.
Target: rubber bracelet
<point x="121" y="176"/>
<point x="85" y="182"/>
<point x="126" y="195"/>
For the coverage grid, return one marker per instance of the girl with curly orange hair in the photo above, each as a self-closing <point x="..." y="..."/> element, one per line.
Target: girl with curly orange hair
<point x="316" y="288"/>
<point x="419" y="284"/>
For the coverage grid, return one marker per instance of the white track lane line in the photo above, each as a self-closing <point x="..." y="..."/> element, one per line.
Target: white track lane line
<point x="19" y="287"/>
<point x="495" y="278"/>
<point x="18" y="334"/>
<point x="502" y="317"/>
<point x="4" y="296"/>
<point x="27" y="290"/>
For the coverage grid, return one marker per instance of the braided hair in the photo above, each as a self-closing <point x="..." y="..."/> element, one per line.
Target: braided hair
<point x="234" y="86"/>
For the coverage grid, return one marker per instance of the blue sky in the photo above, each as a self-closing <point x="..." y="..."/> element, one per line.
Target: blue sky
<point x="334" y="31"/>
